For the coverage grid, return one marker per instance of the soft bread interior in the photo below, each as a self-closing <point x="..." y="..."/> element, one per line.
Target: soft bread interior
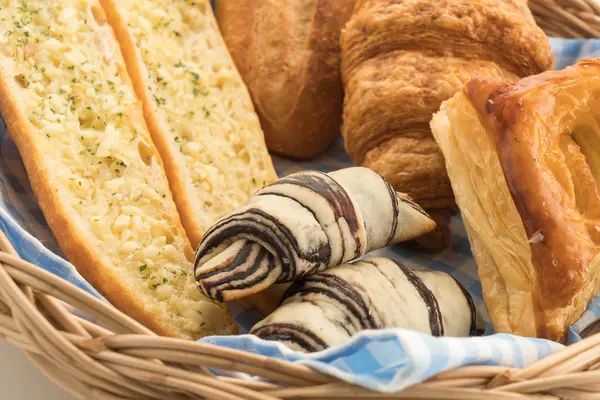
<point x="496" y="232"/>
<point x="71" y="110"/>
<point x="198" y="110"/>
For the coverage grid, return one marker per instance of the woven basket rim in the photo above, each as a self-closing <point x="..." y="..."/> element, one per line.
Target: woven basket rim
<point x="119" y="358"/>
<point x="576" y="19"/>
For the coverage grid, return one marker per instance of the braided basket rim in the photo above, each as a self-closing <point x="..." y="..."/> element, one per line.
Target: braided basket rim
<point x="573" y="19"/>
<point x="121" y="359"/>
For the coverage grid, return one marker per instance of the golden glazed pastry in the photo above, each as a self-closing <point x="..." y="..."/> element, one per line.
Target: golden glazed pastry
<point x="524" y="164"/>
<point x="402" y="58"/>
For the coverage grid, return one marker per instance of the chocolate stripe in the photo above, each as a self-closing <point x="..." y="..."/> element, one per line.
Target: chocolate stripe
<point x="349" y="305"/>
<point x="347" y="290"/>
<point x="374" y="310"/>
<point x="324" y="292"/>
<point x="325" y="250"/>
<point x="214" y="236"/>
<point x="291" y="270"/>
<point x="435" y="314"/>
<point x="233" y="225"/>
<point x="406" y="199"/>
<point x="328" y="188"/>
<point x="239" y="259"/>
<point x="263" y="256"/>
<point x="256" y="279"/>
<point x="283" y="337"/>
<point x="229" y="282"/>
<point x="207" y="244"/>
<point x="395" y="211"/>
<point x="473" y="331"/>
<point x="234" y="228"/>
<point x="292" y="333"/>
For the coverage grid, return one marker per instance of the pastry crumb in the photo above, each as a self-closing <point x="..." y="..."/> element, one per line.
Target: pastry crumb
<point x="537" y="237"/>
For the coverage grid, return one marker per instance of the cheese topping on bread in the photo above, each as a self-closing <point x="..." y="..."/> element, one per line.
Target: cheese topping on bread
<point x="197" y="107"/>
<point x="70" y="107"/>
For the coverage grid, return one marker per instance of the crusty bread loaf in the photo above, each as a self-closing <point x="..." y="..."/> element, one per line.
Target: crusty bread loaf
<point x="196" y="105"/>
<point x="71" y="109"/>
<point x="288" y="54"/>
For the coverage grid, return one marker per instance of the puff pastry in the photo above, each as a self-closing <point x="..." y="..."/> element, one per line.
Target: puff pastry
<point x="326" y="309"/>
<point x="300" y="225"/>
<point x="524" y="164"/>
<point x="402" y="58"/>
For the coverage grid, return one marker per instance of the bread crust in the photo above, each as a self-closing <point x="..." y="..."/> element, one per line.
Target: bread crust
<point x="174" y="167"/>
<point x="401" y="59"/>
<point x="88" y="262"/>
<point x="95" y="267"/>
<point x="504" y="32"/>
<point x="288" y="55"/>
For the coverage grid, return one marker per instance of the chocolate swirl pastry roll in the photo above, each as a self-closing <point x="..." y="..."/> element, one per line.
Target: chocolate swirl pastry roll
<point x="326" y="309"/>
<point x="301" y="225"/>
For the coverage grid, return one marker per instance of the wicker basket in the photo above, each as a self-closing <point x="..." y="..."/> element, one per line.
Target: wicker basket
<point x="568" y="18"/>
<point x="117" y="358"/>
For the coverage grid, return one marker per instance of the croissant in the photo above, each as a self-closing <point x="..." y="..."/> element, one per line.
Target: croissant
<point x="402" y="58"/>
<point x="524" y="162"/>
<point x="300" y="225"/>
<point x="326" y="309"/>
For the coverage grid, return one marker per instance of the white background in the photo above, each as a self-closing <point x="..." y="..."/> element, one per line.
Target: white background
<point x="20" y="379"/>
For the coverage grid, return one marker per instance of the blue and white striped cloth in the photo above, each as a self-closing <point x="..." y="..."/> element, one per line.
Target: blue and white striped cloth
<point x="389" y="360"/>
<point x="385" y="360"/>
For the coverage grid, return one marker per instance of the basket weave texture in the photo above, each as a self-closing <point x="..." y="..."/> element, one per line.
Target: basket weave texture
<point x="568" y="18"/>
<point x="117" y="358"/>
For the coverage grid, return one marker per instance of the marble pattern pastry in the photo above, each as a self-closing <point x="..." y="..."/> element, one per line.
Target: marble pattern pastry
<point x="326" y="309"/>
<point x="303" y="224"/>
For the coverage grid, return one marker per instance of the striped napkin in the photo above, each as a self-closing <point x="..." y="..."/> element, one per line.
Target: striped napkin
<point x="385" y="360"/>
<point x="389" y="360"/>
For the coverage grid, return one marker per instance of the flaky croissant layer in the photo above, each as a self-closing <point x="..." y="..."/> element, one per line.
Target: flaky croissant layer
<point x="402" y="58"/>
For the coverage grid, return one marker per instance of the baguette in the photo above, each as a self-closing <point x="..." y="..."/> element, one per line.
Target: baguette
<point x="288" y="53"/>
<point x="71" y="110"/>
<point x="196" y="105"/>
